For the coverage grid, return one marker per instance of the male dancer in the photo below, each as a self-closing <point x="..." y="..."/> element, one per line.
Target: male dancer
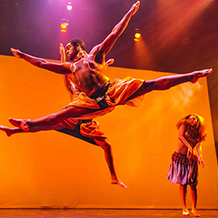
<point x="98" y="95"/>
<point x="87" y="130"/>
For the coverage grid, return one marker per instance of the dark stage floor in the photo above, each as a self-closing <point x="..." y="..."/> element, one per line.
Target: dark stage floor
<point x="91" y="213"/>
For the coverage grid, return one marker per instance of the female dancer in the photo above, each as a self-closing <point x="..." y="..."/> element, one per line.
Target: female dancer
<point x="184" y="167"/>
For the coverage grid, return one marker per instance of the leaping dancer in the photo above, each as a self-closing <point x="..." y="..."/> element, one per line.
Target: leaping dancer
<point x="87" y="130"/>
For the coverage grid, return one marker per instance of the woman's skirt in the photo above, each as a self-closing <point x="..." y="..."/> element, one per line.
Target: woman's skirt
<point x="183" y="170"/>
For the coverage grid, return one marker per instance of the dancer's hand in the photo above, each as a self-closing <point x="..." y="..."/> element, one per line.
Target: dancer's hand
<point x="189" y="152"/>
<point x="201" y="162"/>
<point x="17" y="53"/>
<point x="62" y="52"/>
<point x="61" y="49"/>
<point x="109" y="62"/>
<point x="135" y="7"/>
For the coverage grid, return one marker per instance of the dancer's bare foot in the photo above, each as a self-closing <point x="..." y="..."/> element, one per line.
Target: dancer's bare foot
<point x="19" y="123"/>
<point x="185" y="212"/>
<point x="195" y="213"/>
<point x="202" y="73"/>
<point x="6" y="129"/>
<point x="118" y="182"/>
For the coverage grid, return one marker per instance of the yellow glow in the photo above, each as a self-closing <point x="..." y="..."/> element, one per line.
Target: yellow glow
<point x="63" y="25"/>
<point x="137" y="35"/>
<point x="140" y="51"/>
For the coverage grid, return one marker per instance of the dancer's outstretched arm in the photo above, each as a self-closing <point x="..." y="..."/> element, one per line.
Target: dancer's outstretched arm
<point x="60" y="68"/>
<point x="103" y="48"/>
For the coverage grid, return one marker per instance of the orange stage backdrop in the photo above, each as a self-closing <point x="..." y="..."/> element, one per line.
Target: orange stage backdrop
<point x="51" y="169"/>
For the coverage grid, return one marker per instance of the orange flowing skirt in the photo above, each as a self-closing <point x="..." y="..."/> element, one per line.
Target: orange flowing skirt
<point x="88" y="129"/>
<point x="117" y="94"/>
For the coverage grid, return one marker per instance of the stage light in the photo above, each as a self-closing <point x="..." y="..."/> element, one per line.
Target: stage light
<point x="137" y="35"/>
<point x="64" y="25"/>
<point x="69" y="6"/>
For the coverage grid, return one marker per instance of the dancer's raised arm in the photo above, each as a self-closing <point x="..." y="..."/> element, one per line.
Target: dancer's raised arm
<point x="103" y="48"/>
<point x="60" y="68"/>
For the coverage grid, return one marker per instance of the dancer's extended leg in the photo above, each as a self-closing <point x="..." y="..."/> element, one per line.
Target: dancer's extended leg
<point x="166" y="82"/>
<point x="51" y="119"/>
<point x="105" y="145"/>
<point x="10" y="131"/>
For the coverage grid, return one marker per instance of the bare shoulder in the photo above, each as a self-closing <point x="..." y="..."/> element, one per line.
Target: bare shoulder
<point x="69" y="66"/>
<point x="181" y="129"/>
<point x="182" y="125"/>
<point x="95" y="50"/>
<point x="98" y="53"/>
